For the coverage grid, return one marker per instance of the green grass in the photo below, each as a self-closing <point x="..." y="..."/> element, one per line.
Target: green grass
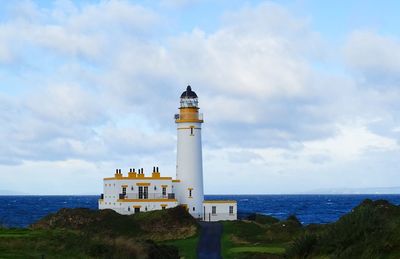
<point x="263" y="235"/>
<point x="258" y="249"/>
<point x="187" y="247"/>
<point x="20" y="233"/>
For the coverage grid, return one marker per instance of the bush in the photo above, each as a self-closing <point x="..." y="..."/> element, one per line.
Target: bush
<point x="262" y="219"/>
<point x="302" y="246"/>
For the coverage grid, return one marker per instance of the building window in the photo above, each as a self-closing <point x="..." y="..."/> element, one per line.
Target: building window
<point x="194" y="209"/>
<point x="190" y="193"/>
<point x="230" y="209"/>
<point x="191" y="131"/>
<point x="140" y="192"/>
<point x="214" y="210"/>
<point x="124" y="190"/>
<point x="164" y="191"/>
<point x="129" y="208"/>
<point x="131" y="188"/>
<point x="145" y="192"/>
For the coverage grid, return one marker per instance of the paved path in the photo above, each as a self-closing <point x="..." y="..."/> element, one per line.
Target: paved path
<point x="209" y="245"/>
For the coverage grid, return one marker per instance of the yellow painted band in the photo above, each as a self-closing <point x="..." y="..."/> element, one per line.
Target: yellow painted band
<point x="188" y="120"/>
<point x="143" y="184"/>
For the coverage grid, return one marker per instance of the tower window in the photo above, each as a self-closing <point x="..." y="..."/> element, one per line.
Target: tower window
<point x="190" y="193"/>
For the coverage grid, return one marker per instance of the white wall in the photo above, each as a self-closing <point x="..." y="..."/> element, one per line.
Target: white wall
<point x="222" y="211"/>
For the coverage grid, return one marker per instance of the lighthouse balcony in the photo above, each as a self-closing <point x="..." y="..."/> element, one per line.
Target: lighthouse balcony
<point x="147" y="196"/>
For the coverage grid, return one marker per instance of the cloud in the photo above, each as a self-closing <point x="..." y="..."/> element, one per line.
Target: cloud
<point x="86" y="32"/>
<point x="375" y="57"/>
<point x="98" y="84"/>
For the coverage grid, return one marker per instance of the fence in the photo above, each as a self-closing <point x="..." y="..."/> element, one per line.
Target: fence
<point x="219" y="216"/>
<point x="148" y="196"/>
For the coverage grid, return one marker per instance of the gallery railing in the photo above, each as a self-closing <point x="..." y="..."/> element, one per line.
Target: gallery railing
<point x="147" y="196"/>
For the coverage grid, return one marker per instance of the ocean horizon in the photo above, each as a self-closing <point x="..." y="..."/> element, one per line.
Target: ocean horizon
<point x="23" y="210"/>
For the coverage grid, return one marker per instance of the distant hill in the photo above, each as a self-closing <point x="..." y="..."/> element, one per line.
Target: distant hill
<point x="9" y="192"/>
<point x="371" y="190"/>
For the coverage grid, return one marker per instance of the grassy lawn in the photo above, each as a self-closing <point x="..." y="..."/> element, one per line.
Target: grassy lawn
<point x="239" y="237"/>
<point x="258" y="249"/>
<point x="187" y="247"/>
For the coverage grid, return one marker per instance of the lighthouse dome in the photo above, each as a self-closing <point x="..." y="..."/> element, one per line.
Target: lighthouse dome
<point x="188" y="93"/>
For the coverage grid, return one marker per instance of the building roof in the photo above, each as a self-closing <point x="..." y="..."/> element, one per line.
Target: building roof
<point x="188" y="93"/>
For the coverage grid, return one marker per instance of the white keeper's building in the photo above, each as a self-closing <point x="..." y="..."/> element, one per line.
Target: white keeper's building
<point x="136" y="192"/>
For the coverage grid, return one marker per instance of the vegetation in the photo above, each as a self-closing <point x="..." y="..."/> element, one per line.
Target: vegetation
<point x="187" y="247"/>
<point x="371" y="230"/>
<point x="84" y="233"/>
<point x="257" y="236"/>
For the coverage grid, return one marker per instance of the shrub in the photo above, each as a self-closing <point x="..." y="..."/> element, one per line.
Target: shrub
<point x="302" y="246"/>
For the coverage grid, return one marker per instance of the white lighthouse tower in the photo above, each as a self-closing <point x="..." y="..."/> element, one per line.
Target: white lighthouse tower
<point x="189" y="161"/>
<point x="136" y="192"/>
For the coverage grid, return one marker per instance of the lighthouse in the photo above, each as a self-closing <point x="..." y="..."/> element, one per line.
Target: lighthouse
<point x="136" y="192"/>
<point x="189" y="160"/>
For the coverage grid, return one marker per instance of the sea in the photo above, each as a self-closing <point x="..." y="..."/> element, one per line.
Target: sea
<point x="21" y="211"/>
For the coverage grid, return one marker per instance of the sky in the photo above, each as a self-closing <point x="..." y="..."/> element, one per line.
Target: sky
<point x="297" y="96"/>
